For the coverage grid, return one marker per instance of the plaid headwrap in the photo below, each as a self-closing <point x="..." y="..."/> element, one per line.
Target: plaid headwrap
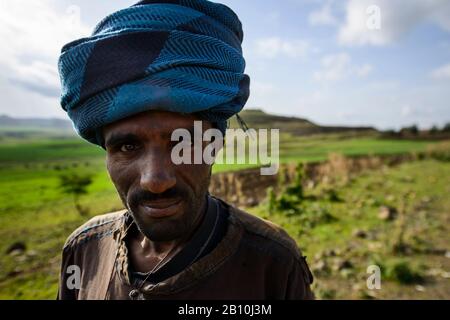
<point x="176" y="55"/>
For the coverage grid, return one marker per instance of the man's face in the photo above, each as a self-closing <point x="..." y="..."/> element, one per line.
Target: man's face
<point x="165" y="199"/>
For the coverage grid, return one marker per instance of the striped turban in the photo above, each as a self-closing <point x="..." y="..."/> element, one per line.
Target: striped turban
<point x="180" y="56"/>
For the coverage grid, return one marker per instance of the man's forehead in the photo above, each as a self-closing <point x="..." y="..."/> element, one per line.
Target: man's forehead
<point x="161" y="123"/>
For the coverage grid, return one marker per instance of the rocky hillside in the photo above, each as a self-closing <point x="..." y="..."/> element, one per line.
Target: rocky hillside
<point x="256" y="118"/>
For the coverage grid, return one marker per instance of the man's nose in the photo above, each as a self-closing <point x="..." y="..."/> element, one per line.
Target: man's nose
<point x="157" y="175"/>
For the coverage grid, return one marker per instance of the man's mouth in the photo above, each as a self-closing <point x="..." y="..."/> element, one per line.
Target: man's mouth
<point x="161" y="208"/>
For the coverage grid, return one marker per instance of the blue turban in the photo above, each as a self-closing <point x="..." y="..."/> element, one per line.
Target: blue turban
<point x="181" y="56"/>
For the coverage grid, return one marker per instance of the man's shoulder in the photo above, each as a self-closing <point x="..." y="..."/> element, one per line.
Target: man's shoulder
<point x="273" y="240"/>
<point x="96" y="228"/>
<point x="265" y="232"/>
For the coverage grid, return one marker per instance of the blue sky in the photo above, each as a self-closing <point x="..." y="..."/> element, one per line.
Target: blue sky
<point x="325" y="60"/>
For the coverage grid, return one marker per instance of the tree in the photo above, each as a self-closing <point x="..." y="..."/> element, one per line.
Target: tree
<point x="446" y="127"/>
<point x="434" y="130"/>
<point x="409" y="131"/>
<point x="76" y="185"/>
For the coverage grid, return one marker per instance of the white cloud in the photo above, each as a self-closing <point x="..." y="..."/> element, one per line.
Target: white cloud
<point x="339" y="66"/>
<point x="407" y="110"/>
<point x="364" y="70"/>
<point x="382" y="105"/>
<point x="262" y="93"/>
<point x="273" y="47"/>
<point x="442" y="72"/>
<point x="323" y="16"/>
<point x="273" y="18"/>
<point x="263" y="88"/>
<point x="32" y="34"/>
<point x="334" y="67"/>
<point x="19" y="102"/>
<point x="398" y="18"/>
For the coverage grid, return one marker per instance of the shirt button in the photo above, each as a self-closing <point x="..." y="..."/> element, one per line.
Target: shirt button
<point x="134" y="294"/>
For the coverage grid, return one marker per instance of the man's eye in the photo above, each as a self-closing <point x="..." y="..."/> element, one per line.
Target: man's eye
<point x="128" y="148"/>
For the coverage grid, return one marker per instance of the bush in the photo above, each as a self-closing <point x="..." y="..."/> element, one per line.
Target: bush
<point x="316" y="215"/>
<point x="296" y="188"/>
<point x="288" y="204"/>
<point x="401" y="272"/>
<point x="330" y="194"/>
<point x="76" y="185"/>
<point x="290" y="200"/>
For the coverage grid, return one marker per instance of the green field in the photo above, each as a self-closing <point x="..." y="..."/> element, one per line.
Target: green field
<point x="33" y="209"/>
<point x="342" y="235"/>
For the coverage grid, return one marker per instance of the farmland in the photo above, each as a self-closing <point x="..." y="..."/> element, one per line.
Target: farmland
<point x="36" y="213"/>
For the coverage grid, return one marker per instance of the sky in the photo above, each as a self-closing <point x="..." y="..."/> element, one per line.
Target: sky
<point x="382" y="63"/>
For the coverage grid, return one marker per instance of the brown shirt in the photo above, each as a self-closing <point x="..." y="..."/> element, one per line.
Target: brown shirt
<point x="255" y="260"/>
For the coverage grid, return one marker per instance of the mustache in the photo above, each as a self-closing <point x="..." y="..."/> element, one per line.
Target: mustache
<point x="143" y="195"/>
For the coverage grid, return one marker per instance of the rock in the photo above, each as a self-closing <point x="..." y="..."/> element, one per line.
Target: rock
<point x="436" y="272"/>
<point x="368" y="295"/>
<point x="351" y="247"/>
<point x="16" y="253"/>
<point x="420" y="288"/>
<point x="310" y="184"/>
<point x="387" y="213"/>
<point x="426" y="199"/>
<point x="324" y="254"/>
<point x="374" y="246"/>
<point x="390" y="198"/>
<point x="447" y="254"/>
<point x="358" y="233"/>
<point x="423" y="214"/>
<point x="372" y="235"/>
<point x="15" y="272"/>
<point x="32" y="253"/>
<point x="330" y="253"/>
<point x="21" y="258"/>
<point x="320" y="268"/>
<point x="345" y="264"/>
<point x="16" y="248"/>
<point x="251" y="202"/>
<point x="318" y="256"/>
<point x="346" y="273"/>
<point x="342" y="264"/>
<point x="357" y="287"/>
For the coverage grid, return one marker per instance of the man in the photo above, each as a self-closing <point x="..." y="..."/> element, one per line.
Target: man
<point x="145" y="72"/>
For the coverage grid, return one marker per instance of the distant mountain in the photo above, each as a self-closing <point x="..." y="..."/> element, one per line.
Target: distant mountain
<point x="35" y="123"/>
<point x="256" y="118"/>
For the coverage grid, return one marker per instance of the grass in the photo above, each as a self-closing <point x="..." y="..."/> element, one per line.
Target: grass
<point x="35" y="211"/>
<point x="426" y="233"/>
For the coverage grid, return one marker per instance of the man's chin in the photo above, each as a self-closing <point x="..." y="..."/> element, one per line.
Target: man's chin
<point x="167" y="228"/>
<point x="162" y="231"/>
